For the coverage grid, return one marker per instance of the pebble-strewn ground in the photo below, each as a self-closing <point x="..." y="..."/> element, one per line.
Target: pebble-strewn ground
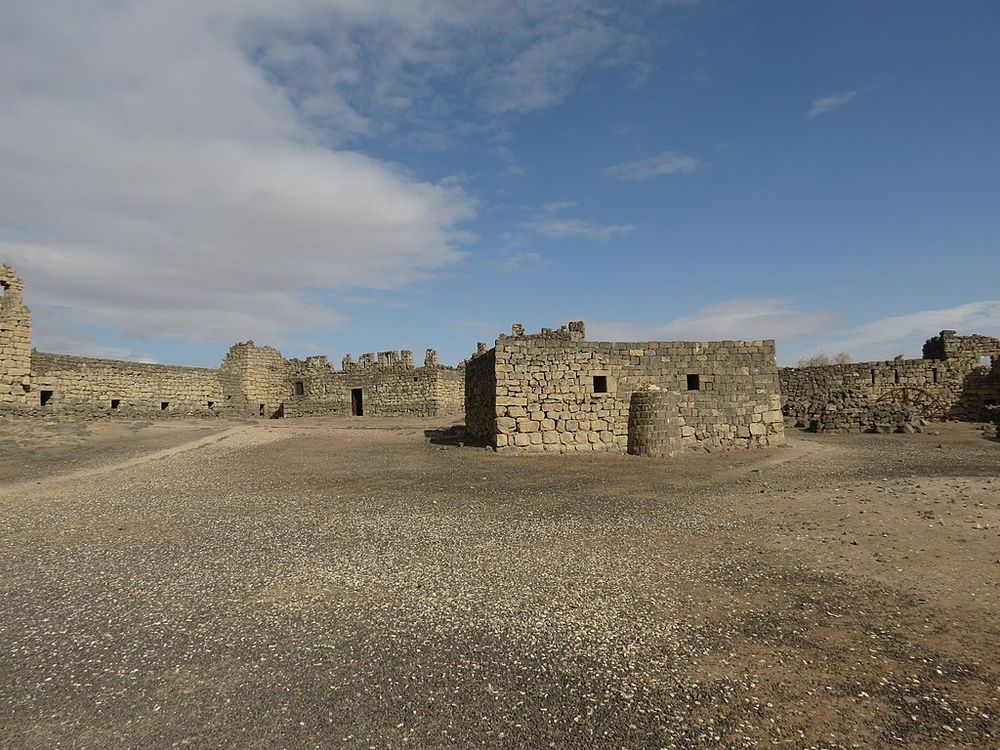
<point x="316" y="585"/>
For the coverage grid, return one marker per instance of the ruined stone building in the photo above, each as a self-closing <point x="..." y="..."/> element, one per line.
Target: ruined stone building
<point x="251" y="381"/>
<point x="956" y="378"/>
<point x="556" y="391"/>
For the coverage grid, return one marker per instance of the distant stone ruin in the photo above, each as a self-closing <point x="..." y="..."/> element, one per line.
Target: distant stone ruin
<point x="957" y="378"/>
<point x="556" y="391"/>
<point x="251" y="381"/>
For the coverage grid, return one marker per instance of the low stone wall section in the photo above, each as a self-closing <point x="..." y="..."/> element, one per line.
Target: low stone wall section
<point x="85" y="386"/>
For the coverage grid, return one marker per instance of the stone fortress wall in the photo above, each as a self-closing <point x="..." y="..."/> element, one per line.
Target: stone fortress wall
<point x="388" y="384"/>
<point x="90" y="387"/>
<point x="252" y="381"/>
<point x="558" y="392"/>
<point x="955" y="379"/>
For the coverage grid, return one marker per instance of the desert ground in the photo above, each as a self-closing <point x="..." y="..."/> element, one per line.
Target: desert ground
<point x="367" y="583"/>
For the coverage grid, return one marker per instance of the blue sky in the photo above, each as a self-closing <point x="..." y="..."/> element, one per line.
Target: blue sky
<point x="361" y="175"/>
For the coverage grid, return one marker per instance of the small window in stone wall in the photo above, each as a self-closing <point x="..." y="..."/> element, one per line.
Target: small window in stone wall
<point x="260" y="409"/>
<point x="896" y="376"/>
<point x="600" y="384"/>
<point x="211" y="404"/>
<point x="874" y="376"/>
<point x="934" y="374"/>
<point x="164" y="405"/>
<point x="115" y="403"/>
<point x="300" y="388"/>
<point x="44" y="397"/>
<point x="693" y="382"/>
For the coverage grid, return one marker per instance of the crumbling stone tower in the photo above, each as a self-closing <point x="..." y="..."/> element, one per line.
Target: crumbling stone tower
<point x="15" y="340"/>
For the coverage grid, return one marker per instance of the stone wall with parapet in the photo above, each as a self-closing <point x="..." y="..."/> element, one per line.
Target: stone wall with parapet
<point x="569" y="395"/>
<point x="83" y="386"/>
<point x="955" y="383"/>
<point x="252" y="380"/>
<point x="15" y="341"/>
<point x="389" y="384"/>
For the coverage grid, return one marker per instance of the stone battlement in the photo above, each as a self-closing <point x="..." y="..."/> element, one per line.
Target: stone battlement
<point x="251" y="380"/>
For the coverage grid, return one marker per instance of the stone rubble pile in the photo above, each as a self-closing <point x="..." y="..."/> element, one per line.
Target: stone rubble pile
<point x="850" y="410"/>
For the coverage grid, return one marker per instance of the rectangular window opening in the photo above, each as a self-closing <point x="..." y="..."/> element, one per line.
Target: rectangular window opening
<point x="115" y="403"/>
<point x="44" y="397"/>
<point x="934" y="374"/>
<point x="164" y="405"/>
<point x="357" y="403"/>
<point x="896" y="376"/>
<point x="600" y="384"/>
<point x="211" y="404"/>
<point x="693" y="382"/>
<point x="873" y="376"/>
<point x="260" y="409"/>
<point x="300" y="388"/>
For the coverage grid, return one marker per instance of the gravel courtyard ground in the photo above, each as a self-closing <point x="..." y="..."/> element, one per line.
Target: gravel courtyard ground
<point x="352" y="584"/>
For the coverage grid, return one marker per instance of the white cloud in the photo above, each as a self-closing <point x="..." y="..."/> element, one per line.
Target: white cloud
<point x="740" y="319"/>
<point x="156" y="180"/>
<point x="904" y="334"/>
<point x="668" y="162"/>
<point x="520" y="261"/>
<point x="580" y="228"/>
<point x="556" y="207"/>
<point x="829" y="103"/>
<point x="194" y="169"/>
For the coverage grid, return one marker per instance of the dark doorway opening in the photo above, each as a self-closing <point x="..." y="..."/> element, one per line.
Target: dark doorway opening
<point x="300" y="388"/>
<point x="600" y="384"/>
<point x="260" y="409"/>
<point x="694" y="382"/>
<point x="115" y="403"/>
<point x="44" y="397"/>
<point x="357" y="403"/>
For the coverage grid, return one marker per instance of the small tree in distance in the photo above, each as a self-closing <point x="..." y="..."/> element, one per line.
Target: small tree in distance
<point x="822" y="360"/>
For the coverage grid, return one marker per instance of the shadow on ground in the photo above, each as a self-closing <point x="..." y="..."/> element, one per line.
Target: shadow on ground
<point x="456" y="436"/>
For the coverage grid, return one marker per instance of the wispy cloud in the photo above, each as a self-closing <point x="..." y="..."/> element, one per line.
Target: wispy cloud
<point x="761" y="318"/>
<point x="904" y="334"/>
<point x="520" y="261"/>
<point x="555" y="207"/>
<point x="581" y="228"/>
<point x="639" y="170"/>
<point x="830" y="103"/>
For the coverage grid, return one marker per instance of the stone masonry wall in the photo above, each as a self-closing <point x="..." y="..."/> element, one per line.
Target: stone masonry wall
<point x="548" y="392"/>
<point x="481" y="396"/>
<point x="253" y="378"/>
<point x="85" y="386"/>
<point x="15" y="340"/>
<point x="390" y="385"/>
<point x="955" y="383"/>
